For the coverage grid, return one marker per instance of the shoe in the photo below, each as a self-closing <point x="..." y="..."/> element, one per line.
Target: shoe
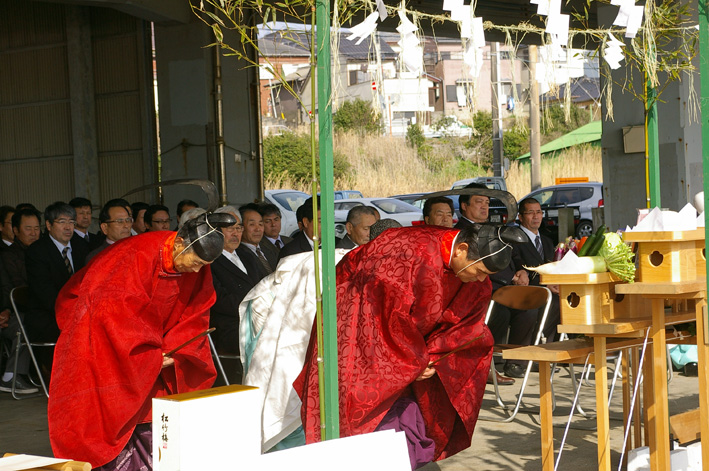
<point x="514" y="370"/>
<point x="21" y="386"/>
<point x="501" y="380"/>
<point x="691" y="369"/>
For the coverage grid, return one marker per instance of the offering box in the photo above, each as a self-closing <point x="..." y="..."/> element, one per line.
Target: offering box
<point x="668" y="256"/>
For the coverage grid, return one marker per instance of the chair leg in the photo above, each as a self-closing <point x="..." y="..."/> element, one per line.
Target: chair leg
<point x="217" y="360"/>
<point x="36" y="366"/>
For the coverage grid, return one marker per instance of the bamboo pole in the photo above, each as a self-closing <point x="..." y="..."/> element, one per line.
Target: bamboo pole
<point x="327" y="201"/>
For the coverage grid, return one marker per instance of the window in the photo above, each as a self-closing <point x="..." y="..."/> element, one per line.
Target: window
<point x="451" y="94"/>
<point x="544" y="197"/>
<point x="392" y="206"/>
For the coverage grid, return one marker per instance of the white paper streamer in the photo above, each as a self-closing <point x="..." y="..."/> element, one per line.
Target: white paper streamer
<point x="364" y="29"/>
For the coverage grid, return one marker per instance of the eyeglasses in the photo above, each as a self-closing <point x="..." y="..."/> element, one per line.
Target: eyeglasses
<point x="533" y="212"/>
<point x="121" y="221"/>
<point x="161" y="221"/>
<point x="64" y="222"/>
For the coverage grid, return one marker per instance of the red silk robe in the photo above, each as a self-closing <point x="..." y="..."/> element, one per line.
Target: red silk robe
<point x="400" y="306"/>
<point x="117" y="316"/>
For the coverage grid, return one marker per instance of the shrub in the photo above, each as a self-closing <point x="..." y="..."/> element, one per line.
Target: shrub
<point x="414" y="136"/>
<point x="358" y="116"/>
<point x="288" y="155"/>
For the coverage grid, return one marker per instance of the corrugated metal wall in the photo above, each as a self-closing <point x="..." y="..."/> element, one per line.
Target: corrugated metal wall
<point x="35" y="126"/>
<point x="36" y="151"/>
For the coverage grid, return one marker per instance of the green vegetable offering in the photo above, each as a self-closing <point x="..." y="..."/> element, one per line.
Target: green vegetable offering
<point x="618" y="257"/>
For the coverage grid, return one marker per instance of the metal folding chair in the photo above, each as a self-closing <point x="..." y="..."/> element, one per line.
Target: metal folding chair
<point x="19" y="298"/>
<point x="521" y="298"/>
<point x="218" y="359"/>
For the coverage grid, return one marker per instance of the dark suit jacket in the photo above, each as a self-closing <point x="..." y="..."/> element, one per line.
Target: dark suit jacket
<point x="96" y="251"/>
<point x="77" y="240"/>
<point x="231" y="285"/>
<point x="46" y="275"/>
<point x="345" y="243"/>
<point x="462" y="222"/>
<point x="299" y="244"/>
<point x="270" y="251"/>
<point x="526" y="254"/>
<point x="14" y="260"/>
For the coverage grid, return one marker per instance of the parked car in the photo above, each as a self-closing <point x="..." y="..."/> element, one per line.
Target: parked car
<point x="498" y="211"/>
<point x="346" y="194"/>
<point x="412" y="199"/>
<point x="494" y="183"/>
<point x="581" y="196"/>
<point x="392" y="208"/>
<point x="288" y="201"/>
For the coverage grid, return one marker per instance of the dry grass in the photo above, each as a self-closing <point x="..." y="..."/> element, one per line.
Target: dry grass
<point x="383" y="166"/>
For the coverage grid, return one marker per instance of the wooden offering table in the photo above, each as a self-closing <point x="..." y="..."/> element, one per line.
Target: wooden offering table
<point x="617" y="316"/>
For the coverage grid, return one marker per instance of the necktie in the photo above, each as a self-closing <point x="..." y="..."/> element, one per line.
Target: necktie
<point x="263" y="260"/>
<point x="86" y="237"/>
<point x="65" y="255"/>
<point x="538" y="244"/>
<point x="278" y="244"/>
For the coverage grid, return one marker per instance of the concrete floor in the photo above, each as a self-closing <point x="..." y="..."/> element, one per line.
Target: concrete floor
<point x="496" y="446"/>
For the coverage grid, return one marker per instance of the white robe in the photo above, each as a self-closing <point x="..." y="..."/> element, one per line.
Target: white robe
<point x="278" y="314"/>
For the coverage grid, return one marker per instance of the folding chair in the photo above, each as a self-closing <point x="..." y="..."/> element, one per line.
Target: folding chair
<point x="19" y="298"/>
<point x="218" y="359"/>
<point x="521" y="298"/>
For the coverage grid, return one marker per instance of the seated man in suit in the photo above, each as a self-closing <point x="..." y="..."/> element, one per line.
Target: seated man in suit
<point x="157" y="218"/>
<point x="116" y="224"/>
<point x="303" y="241"/>
<point x="50" y="262"/>
<point x="537" y="250"/>
<point x="6" y="233"/>
<point x="253" y="234"/>
<point x="272" y="241"/>
<point x="234" y="273"/>
<point x="137" y="212"/>
<point x="359" y="220"/>
<point x="25" y="224"/>
<point x="184" y="206"/>
<point x="438" y="211"/>
<point x="82" y="206"/>
<point x="473" y="208"/>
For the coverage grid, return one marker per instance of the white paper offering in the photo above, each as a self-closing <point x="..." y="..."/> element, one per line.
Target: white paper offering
<point x="635" y="19"/>
<point x="364" y="29"/>
<point x="382" y="9"/>
<point x="668" y="221"/>
<point x="20" y="462"/>
<point x="558" y="27"/>
<point x="569" y="265"/>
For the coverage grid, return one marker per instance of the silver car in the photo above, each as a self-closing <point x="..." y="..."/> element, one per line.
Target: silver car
<point x="583" y="196"/>
<point x="392" y="208"/>
<point x="288" y="201"/>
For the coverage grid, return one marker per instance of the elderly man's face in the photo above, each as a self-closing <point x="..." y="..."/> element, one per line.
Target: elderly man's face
<point x="188" y="261"/>
<point x="477" y="208"/>
<point x="531" y="217"/>
<point x="359" y="232"/>
<point x="232" y="234"/>
<point x="118" y="225"/>
<point x="441" y="215"/>
<point x="253" y="228"/>
<point x="28" y="232"/>
<point x="272" y="225"/>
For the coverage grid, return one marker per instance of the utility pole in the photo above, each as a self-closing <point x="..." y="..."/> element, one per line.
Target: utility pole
<point x="497" y="149"/>
<point x="534" y="150"/>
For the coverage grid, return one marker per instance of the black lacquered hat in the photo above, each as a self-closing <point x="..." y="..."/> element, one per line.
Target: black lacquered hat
<point x="204" y="235"/>
<point x="494" y="245"/>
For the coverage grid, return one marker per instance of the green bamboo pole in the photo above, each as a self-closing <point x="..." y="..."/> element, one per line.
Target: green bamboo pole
<point x="652" y="150"/>
<point x="704" y="77"/>
<point x="330" y="398"/>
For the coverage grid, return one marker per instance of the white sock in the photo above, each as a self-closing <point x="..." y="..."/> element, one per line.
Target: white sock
<point x="7" y="376"/>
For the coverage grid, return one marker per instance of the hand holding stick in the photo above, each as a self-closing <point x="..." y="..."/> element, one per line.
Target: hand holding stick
<point x="200" y="335"/>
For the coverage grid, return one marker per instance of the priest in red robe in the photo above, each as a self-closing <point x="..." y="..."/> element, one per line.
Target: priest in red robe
<point x="404" y="300"/>
<point x="136" y="300"/>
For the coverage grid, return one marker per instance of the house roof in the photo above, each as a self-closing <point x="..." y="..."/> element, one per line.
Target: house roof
<point x="288" y="43"/>
<point x="583" y="89"/>
<point x="591" y="132"/>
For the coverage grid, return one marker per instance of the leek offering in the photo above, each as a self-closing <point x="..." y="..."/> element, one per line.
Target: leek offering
<point x="614" y="256"/>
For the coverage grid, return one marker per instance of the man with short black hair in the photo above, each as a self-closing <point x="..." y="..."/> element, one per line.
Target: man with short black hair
<point x="303" y="241"/>
<point x="359" y="220"/>
<point x="116" y="224"/>
<point x="50" y="262"/>
<point x="157" y="218"/>
<point x="438" y="211"/>
<point x="6" y="233"/>
<point x="253" y="233"/>
<point x="83" y="209"/>
<point x="184" y="206"/>
<point x="473" y="208"/>
<point x="272" y="242"/>
<point x="137" y="212"/>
